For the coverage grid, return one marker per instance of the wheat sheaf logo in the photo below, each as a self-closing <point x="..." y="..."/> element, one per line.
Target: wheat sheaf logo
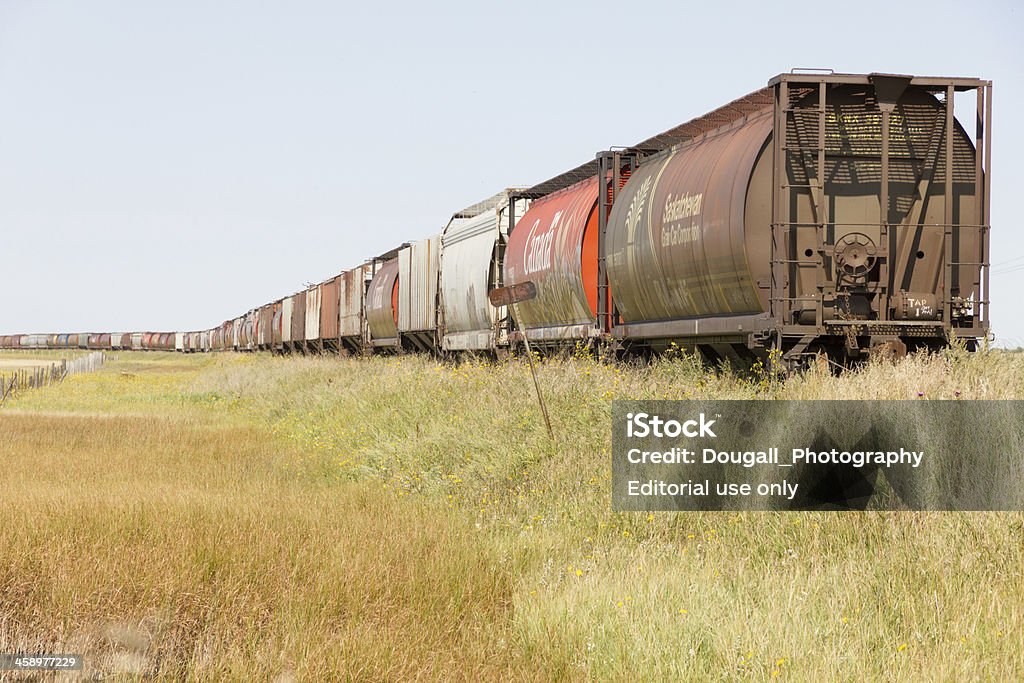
<point x="636" y="207"/>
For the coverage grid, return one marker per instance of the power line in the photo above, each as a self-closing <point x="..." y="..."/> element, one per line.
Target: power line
<point x="1003" y="263"/>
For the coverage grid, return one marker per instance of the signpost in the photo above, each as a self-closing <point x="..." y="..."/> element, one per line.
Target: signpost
<point x="510" y="296"/>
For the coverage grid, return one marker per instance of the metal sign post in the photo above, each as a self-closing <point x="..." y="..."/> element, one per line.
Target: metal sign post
<point x="510" y="296"/>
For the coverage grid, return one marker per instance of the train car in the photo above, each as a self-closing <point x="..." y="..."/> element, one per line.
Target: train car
<point x="330" y="309"/>
<point x="555" y="246"/>
<point x="280" y="327"/>
<point x="33" y="341"/>
<point x="381" y="302"/>
<point x="834" y="213"/>
<point x="472" y="245"/>
<point x="285" y="322"/>
<point x="245" y="332"/>
<point x="297" y="333"/>
<point x="353" y="331"/>
<point x="418" y="270"/>
<point x="265" y="328"/>
<point x="311" y="309"/>
<point x="249" y="330"/>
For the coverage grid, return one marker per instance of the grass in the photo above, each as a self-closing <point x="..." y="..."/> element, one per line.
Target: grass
<point x="226" y="517"/>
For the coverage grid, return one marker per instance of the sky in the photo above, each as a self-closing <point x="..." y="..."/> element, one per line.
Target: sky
<point x="167" y="166"/>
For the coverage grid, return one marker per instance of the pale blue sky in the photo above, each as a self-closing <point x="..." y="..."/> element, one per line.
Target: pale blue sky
<point x="170" y="165"/>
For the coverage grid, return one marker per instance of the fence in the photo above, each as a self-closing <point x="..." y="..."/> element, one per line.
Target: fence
<point x="45" y="375"/>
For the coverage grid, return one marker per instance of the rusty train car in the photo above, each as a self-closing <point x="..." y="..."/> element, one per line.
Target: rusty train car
<point x="845" y="214"/>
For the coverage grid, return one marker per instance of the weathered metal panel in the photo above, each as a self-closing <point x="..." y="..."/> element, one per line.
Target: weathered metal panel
<point x="287" y="306"/>
<point x="313" y="313"/>
<point x="351" y="294"/>
<point x="554" y="246"/>
<point x="382" y="303"/>
<point x="329" y="308"/>
<point x="298" y="316"/>
<point x="676" y="242"/>
<point x="245" y="331"/>
<point x="417" y="275"/>
<point x="469" y="270"/>
<point x="274" y="326"/>
<point x="265" y="331"/>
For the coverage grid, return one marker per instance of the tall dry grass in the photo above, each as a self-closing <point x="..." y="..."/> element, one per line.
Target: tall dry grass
<point x="254" y="517"/>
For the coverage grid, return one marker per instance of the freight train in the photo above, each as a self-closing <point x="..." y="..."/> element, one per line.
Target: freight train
<point x="838" y="213"/>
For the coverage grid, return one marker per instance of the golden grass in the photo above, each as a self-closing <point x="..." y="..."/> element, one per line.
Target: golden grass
<point x="182" y="550"/>
<point x="252" y="517"/>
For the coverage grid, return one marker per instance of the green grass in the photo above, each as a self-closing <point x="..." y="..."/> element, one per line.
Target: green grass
<point x="220" y="517"/>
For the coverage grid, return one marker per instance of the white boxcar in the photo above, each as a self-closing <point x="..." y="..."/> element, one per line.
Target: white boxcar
<point x="286" y="319"/>
<point x="313" y="313"/>
<point x="418" y="266"/>
<point x="470" y="269"/>
<point x="351" y="292"/>
<point x="179" y="341"/>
